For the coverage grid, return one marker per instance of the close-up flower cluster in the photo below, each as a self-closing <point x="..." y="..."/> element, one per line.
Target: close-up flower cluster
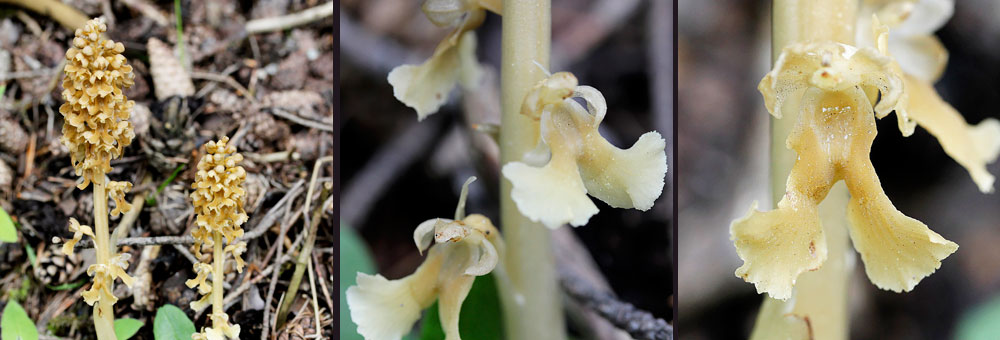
<point x="96" y="111"/>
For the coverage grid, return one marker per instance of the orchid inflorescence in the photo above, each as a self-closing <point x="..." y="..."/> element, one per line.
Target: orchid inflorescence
<point x="218" y="203"/>
<point x="839" y="90"/>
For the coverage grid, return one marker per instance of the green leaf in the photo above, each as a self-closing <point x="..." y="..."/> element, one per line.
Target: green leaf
<point x="15" y="324"/>
<point x="126" y="328"/>
<point x="981" y="322"/>
<point x="354" y="258"/>
<point x="66" y="286"/>
<point x="172" y="324"/>
<point x="480" y="317"/>
<point x="31" y="254"/>
<point x="7" y="231"/>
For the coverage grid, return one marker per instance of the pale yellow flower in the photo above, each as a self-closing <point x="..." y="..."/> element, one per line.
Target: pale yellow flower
<point x="551" y="183"/>
<point x="839" y="91"/>
<point x="386" y="309"/>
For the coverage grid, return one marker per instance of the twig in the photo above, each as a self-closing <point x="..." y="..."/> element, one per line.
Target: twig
<point x="638" y="323"/>
<point x="322" y="281"/>
<point x="572" y="256"/>
<point x="187" y="254"/>
<point x="304" y="255"/>
<point x="290" y="20"/>
<point x="231" y="297"/>
<point x="67" y="16"/>
<point x="383" y="168"/>
<point x="258" y="230"/>
<point x="148" y="10"/>
<point x="278" y="247"/>
<point x="312" y="287"/>
<point x="301" y="121"/>
<point x="228" y="80"/>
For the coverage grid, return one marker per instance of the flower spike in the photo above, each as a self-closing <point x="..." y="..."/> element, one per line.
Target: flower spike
<point x="218" y="201"/>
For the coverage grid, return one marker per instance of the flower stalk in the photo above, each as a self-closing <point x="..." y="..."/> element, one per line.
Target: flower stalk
<point x="530" y="295"/>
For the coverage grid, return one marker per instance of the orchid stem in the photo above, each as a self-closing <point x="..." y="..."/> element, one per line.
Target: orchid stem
<point x="530" y="296"/>
<point x="104" y="318"/>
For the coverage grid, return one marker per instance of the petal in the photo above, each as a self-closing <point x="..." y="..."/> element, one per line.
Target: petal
<point x="596" y="105"/>
<point x="450" y="231"/>
<point x="424" y="233"/>
<point x="485" y="257"/>
<point x="553" y="195"/>
<point x="445" y="13"/>
<point x="926" y="17"/>
<point x="971" y="146"/>
<point x="382" y="309"/>
<point x="923" y="57"/>
<point x="201" y="304"/>
<point x="425" y="87"/>
<point x="453" y="293"/>
<point x="631" y="178"/>
<point x="778" y="245"/>
<point x="831" y="67"/>
<point x="898" y="251"/>
<point x="470" y="69"/>
<point x="549" y="91"/>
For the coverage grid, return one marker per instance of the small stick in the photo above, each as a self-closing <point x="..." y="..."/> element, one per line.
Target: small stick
<point x="258" y="230"/>
<point x="638" y="323"/>
<point x="303" y="258"/>
<point x="301" y="121"/>
<point x="240" y="90"/>
<point x="291" y="20"/>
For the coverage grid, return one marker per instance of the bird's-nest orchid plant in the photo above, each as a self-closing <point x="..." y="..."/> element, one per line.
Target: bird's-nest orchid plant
<point x="96" y="129"/>
<point x="218" y="199"/>
<point x="464" y="248"/>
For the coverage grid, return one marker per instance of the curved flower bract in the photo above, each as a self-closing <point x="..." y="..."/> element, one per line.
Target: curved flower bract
<point x="425" y="87"/>
<point x="833" y="138"/>
<point x="582" y="162"/>
<point x="465" y="248"/>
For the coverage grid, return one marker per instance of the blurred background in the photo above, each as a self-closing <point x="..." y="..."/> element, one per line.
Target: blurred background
<point x="398" y="173"/>
<point x="723" y="52"/>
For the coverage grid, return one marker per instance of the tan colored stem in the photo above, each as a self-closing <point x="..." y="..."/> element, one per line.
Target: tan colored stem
<point x="218" y="275"/>
<point x="818" y="306"/>
<point x="104" y="318"/>
<point x="530" y="293"/>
